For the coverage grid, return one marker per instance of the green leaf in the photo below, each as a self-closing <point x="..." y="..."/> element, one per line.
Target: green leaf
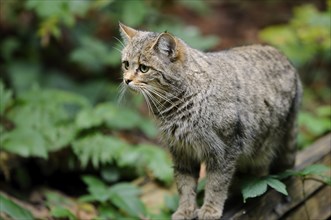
<point x="253" y="187"/>
<point x="324" y="111"/>
<point x="113" y="116"/>
<point x="171" y="202"/>
<point x="125" y="197"/>
<point x="24" y="142"/>
<point x="14" y="210"/>
<point x="148" y="157"/>
<point x="315" y="169"/>
<point x="110" y="174"/>
<point x="326" y="179"/>
<point x="201" y="185"/>
<point x="23" y="75"/>
<point x="277" y="185"/>
<point x="134" y="12"/>
<point x="148" y="127"/>
<point x="106" y="211"/>
<point x="199" y="6"/>
<point x="5" y="97"/>
<point x="98" y="190"/>
<point x="94" y="54"/>
<point x="98" y="149"/>
<point x="59" y="212"/>
<point x="55" y="199"/>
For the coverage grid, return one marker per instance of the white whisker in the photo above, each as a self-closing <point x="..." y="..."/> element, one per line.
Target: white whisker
<point x="120" y="41"/>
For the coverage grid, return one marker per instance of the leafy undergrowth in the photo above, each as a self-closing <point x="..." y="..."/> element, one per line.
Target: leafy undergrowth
<point x="254" y="187"/>
<point x="68" y="151"/>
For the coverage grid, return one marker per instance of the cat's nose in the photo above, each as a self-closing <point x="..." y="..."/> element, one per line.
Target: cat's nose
<point x="127" y="81"/>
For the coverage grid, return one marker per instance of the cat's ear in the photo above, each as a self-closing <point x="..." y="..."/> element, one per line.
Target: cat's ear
<point x="166" y="44"/>
<point x="127" y="33"/>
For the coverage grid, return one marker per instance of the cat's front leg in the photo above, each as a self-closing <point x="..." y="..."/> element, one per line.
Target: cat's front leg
<point x="186" y="177"/>
<point x="219" y="175"/>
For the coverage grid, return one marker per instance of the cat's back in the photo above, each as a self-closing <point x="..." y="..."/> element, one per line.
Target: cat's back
<point x="255" y="70"/>
<point x="260" y="81"/>
<point x="254" y="57"/>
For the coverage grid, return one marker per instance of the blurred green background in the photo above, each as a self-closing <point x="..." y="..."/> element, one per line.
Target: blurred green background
<point x="68" y="149"/>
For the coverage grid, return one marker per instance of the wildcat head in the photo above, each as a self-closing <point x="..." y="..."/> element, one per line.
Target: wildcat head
<point x="151" y="61"/>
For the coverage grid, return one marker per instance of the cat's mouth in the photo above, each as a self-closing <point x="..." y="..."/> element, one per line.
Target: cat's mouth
<point x="134" y="86"/>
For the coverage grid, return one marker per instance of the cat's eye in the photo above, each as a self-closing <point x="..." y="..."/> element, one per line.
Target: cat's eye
<point x="126" y="64"/>
<point x="143" y="68"/>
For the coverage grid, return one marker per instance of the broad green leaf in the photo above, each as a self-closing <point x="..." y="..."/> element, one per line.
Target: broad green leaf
<point x="277" y="185"/>
<point x="125" y="197"/>
<point x="92" y="181"/>
<point x="14" y="210"/>
<point x="124" y="190"/>
<point x="106" y="211"/>
<point x="315" y="169"/>
<point x="130" y="205"/>
<point x="97" y="189"/>
<point x="59" y="212"/>
<point x="253" y="187"/>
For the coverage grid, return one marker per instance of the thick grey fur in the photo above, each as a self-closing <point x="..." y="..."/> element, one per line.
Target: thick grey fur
<point x="234" y="110"/>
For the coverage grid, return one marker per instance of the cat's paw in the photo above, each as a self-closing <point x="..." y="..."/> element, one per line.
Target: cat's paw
<point x="185" y="214"/>
<point x="209" y="213"/>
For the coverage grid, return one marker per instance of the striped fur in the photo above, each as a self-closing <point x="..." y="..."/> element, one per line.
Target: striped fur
<point x="234" y="110"/>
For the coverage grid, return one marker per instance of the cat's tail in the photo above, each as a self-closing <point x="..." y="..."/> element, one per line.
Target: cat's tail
<point x="286" y="154"/>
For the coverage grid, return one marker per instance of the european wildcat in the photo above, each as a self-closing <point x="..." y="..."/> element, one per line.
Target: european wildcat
<point x="233" y="110"/>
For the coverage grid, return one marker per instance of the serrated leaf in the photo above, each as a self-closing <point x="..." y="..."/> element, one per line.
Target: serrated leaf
<point x="277" y="185"/>
<point x="14" y="210"/>
<point x="98" y="149"/>
<point x="253" y="187"/>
